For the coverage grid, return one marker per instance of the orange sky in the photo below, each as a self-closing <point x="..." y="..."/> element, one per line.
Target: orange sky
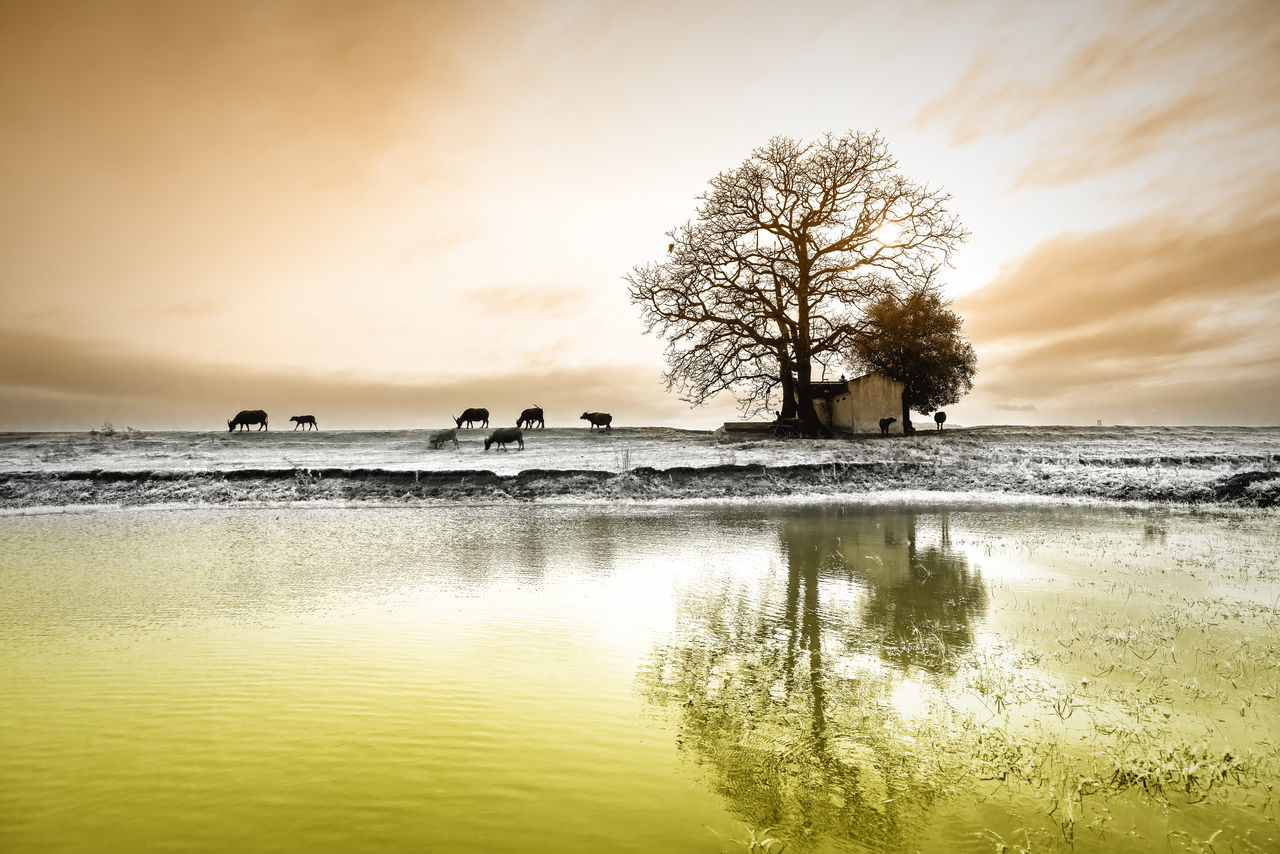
<point x="385" y="211"/>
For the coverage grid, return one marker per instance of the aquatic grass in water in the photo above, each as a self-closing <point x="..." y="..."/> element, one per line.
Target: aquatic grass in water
<point x="1084" y="710"/>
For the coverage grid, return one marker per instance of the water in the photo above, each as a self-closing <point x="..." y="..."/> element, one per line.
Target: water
<point x="638" y="679"/>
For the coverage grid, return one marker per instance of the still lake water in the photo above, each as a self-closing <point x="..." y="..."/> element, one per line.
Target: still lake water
<point x="639" y="679"/>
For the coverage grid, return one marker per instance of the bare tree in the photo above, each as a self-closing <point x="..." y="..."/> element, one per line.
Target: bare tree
<point x="770" y="277"/>
<point x="723" y="328"/>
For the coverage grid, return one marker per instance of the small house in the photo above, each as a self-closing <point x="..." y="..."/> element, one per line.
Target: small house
<point x="857" y="405"/>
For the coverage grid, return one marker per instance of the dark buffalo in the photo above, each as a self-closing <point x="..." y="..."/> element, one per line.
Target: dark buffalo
<point x="438" y="439"/>
<point x="502" y="436"/>
<point x="245" y="417"/>
<point x="529" y="416"/>
<point x="885" y="424"/>
<point x="603" y="420"/>
<point x="940" y="417"/>
<point x="472" y="415"/>
<point x="308" y="420"/>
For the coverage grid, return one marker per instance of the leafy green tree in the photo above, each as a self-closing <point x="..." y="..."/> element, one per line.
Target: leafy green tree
<point x="916" y="339"/>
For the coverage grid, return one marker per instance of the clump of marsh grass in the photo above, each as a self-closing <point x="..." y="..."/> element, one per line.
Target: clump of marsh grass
<point x="756" y="841"/>
<point x="108" y="431"/>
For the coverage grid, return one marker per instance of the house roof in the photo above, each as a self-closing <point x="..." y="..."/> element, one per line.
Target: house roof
<point x="833" y="388"/>
<point x="828" y="389"/>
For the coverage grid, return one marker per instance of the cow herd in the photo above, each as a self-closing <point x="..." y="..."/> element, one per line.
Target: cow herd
<point x="503" y="436"/>
<point x="245" y="418"/>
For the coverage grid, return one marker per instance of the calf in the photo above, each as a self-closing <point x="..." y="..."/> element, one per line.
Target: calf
<point x="603" y="420"/>
<point x="308" y="420"/>
<point x="245" y="417"/>
<point x="884" y="425"/>
<point x="472" y="415"/>
<point x="438" y="439"/>
<point x="502" y="436"/>
<point x="529" y="416"/>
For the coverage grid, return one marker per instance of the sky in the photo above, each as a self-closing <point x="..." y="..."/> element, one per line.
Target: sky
<point x="384" y="212"/>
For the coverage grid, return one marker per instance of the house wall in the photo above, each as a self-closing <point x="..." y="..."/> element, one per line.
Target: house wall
<point x="869" y="399"/>
<point x="823" y="406"/>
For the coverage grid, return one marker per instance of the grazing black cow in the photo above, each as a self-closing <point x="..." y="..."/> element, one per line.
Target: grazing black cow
<point x="940" y="417"/>
<point x="502" y="436"/>
<point x="529" y="416"/>
<point x="473" y="415"/>
<point x="245" y="417"/>
<point x="603" y="420"/>
<point x="438" y="439"/>
<point x="885" y="424"/>
<point x="308" y="420"/>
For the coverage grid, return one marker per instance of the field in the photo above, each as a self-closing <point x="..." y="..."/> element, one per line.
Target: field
<point x="1193" y="465"/>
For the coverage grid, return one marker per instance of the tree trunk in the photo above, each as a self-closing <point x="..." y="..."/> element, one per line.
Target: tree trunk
<point x="789" y="407"/>
<point x="907" y="429"/>
<point x="813" y="426"/>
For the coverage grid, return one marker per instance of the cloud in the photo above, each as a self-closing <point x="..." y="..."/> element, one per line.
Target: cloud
<point x="193" y="308"/>
<point x="189" y="146"/>
<point x="1016" y="407"/>
<point x="1129" y="81"/>
<point x="528" y="301"/>
<point x="50" y="382"/>
<point x="152" y="84"/>
<point x="1156" y="264"/>
<point x="1148" y="316"/>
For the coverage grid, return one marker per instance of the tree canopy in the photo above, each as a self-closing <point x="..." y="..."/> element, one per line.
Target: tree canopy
<point x="771" y="276"/>
<point x="916" y="339"/>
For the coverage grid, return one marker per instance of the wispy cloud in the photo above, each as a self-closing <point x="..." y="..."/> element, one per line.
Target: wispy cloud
<point x="1143" y="311"/>
<point x="527" y="301"/>
<point x="1119" y="83"/>
<point x="193" y="308"/>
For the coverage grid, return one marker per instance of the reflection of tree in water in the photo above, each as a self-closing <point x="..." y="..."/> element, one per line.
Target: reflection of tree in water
<point x="522" y="546"/>
<point x="923" y="610"/>
<point x="794" y="737"/>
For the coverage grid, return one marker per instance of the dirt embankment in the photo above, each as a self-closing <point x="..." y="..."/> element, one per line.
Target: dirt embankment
<point x="1196" y="482"/>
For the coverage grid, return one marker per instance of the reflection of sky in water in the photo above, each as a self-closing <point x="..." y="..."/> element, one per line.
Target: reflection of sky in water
<point x="617" y="678"/>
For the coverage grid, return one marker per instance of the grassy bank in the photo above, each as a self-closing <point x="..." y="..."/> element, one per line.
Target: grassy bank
<point x="1184" y="465"/>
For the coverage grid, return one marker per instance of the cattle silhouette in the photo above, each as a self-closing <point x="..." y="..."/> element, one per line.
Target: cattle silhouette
<point x="438" y="439"/>
<point x="504" y="435"/>
<point x="602" y="420"/>
<point x="245" y="417"/>
<point x="529" y="416"/>
<point x="472" y="415"/>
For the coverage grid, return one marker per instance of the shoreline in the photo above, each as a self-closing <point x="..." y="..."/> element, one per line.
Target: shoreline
<point x="914" y="500"/>
<point x="1121" y="481"/>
